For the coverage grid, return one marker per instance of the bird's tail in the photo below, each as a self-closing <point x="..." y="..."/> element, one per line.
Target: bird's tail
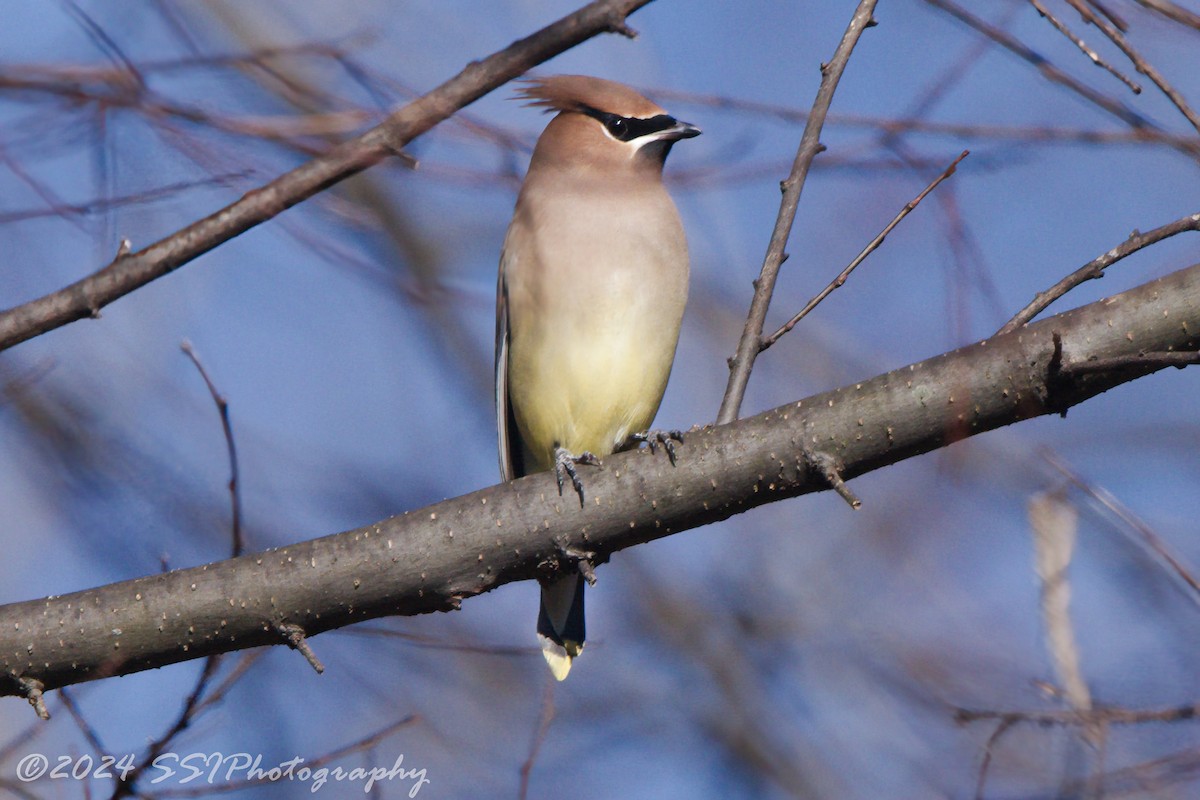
<point x="560" y="623"/>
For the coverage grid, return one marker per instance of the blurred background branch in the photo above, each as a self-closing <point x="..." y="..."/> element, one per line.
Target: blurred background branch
<point x="353" y="335"/>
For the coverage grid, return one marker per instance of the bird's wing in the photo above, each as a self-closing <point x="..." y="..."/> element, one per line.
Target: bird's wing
<point x="506" y="425"/>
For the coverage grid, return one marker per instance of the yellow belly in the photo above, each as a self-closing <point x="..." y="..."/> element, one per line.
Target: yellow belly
<point x="591" y="340"/>
<point x="587" y="391"/>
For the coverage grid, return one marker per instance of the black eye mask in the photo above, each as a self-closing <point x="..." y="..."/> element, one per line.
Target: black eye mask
<point x="626" y="129"/>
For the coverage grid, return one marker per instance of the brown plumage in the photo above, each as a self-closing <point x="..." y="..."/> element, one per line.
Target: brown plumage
<point x="571" y="92"/>
<point x="593" y="281"/>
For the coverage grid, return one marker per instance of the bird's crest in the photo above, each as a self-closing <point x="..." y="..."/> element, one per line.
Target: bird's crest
<point x="583" y="93"/>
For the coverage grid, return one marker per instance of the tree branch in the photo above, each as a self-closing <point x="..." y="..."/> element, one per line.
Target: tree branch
<point x="1052" y="73"/>
<point x="1143" y="66"/>
<point x="750" y="345"/>
<point x="1083" y="47"/>
<point x="128" y="272"/>
<point x="429" y="560"/>
<point x="1095" y="268"/>
<point x="871" y="247"/>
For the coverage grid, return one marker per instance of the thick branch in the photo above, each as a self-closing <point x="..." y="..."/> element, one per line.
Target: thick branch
<point x="429" y="560"/>
<point x="86" y="297"/>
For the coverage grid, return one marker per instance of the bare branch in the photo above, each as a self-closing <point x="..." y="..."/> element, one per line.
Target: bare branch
<point x="910" y="123"/>
<point x="86" y="297"/>
<point x="235" y="497"/>
<point x="1143" y="533"/>
<point x="1139" y="62"/>
<point x="545" y="717"/>
<point x="244" y="664"/>
<point x="1110" y="14"/>
<point x="1173" y="11"/>
<point x="105" y="204"/>
<point x="126" y="785"/>
<point x="1083" y="46"/>
<point x="1095" y="268"/>
<point x="988" y="753"/>
<point x="1056" y="75"/>
<point x="874" y="244"/>
<point x="1108" y="715"/>
<point x="810" y="145"/>
<point x="297" y="640"/>
<point x="431" y="559"/>
<point x="89" y="733"/>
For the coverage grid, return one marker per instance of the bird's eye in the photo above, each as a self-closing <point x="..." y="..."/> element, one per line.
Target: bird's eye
<point x="617" y="126"/>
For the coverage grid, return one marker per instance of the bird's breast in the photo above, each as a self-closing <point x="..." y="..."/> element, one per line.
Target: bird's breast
<point x="596" y="297"/>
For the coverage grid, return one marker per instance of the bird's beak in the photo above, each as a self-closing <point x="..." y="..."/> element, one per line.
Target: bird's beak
<point x="680" y="130"/>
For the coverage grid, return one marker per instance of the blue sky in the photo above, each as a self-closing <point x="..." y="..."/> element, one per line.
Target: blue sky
<point x="352" y="338"/>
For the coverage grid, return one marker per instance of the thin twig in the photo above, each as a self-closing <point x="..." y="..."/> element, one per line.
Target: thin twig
<point x="1140" y="64"/>
<point x="33" y="690"/>
<point x="22" y="739"/>
<point x="298" y="641"/>
<point x="104" y="204"/>
<point x="127" y="785"/>
<point x="545" y="717"/>
<point x="39" y="188"/>
<point x="1146" y="535"/>
<point x="1095" y="268"/>
<point x="1110" y="14"/>
<point x="988" y="749"/>
<point x="247" y="660"/>
<point x="89" y="733"/>
<point x="86" y="296"/>
<point x="910" y="122"/>
<point x="810" y="145"/>
<point x="831" y="471"/>
<point x="1151" y="778"/>
<point x="1056" y="75"/>
<point x="107" y="90"/>
<point x="1109" y="715"/>
<point x="1173" y="11"/>
<point x="194" y="702"/>
<point x="1083" y="46"/>
<point x="837" y="282"/>
<point x="235" y="499"/>
<point x="105" y="43"/>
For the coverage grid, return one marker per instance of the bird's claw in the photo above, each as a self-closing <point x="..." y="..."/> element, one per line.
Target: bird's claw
<point x="564" y="467"/>
<point x="654" y="438"/>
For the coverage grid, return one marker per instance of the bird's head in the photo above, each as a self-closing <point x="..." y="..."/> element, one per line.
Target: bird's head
<point x="602" y="125"/>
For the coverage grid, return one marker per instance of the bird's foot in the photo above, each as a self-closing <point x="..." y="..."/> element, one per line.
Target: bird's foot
<point x="564" y="467"/>
<point x="654" y="438"/>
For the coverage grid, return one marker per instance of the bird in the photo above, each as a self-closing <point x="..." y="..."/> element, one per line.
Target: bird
<point x="592" y="286"/>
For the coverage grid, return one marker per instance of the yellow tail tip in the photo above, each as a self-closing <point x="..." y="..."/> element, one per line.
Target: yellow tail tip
<point x="558" y="657"/>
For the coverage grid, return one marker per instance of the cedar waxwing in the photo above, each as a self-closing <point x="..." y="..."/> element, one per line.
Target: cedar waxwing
<point x="593" y="281"/>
